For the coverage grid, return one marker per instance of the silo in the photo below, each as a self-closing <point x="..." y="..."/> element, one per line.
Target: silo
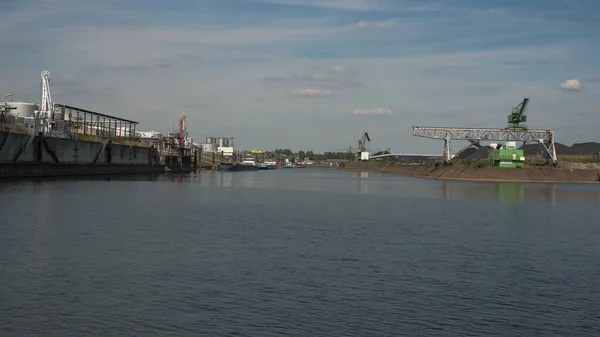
<point x="222" y="142"/>
<point x="209" y="147"/>
<point x="210" y="140"/>
<point x="23" y="109"/>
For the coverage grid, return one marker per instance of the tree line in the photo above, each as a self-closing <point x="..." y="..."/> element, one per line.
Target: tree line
<point x="301" y="155"/>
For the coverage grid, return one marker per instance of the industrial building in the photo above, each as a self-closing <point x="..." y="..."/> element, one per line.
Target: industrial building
<point x="220" y="145"/>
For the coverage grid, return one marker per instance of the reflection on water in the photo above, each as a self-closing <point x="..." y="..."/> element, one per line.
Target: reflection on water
<point x="363" y="183"/>
<point x="225" y="179"/>
<point x="42" y="182"/>
<point x="511" y="192"/>
<point x="342" y="182"/>
<point x="380" y="184"/>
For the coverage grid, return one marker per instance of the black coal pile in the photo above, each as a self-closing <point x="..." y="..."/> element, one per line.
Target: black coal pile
<point x="563" y="150"/>
<point x="585" y="148"/>
<point x="578" y="149"/>
<point x="537" y="149"/>
<point x="473" y="153"/>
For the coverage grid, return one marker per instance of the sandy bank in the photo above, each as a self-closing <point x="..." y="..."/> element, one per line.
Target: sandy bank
<point x="528" y="174"/>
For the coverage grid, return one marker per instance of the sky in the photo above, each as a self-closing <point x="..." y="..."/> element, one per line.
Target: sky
<point x="312" y="74"/>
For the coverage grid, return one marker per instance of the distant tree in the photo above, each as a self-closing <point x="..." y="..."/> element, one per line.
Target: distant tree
<point x="302" y="154"/>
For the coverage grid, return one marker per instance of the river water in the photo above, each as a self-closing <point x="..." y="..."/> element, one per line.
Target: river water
<point x="298" y="253"/>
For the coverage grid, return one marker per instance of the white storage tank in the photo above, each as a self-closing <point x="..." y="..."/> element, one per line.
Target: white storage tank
<point x="208" y="147"/>
<point x="223" y="142"/>
<point x="210" y="140"/>
<point x="23" y="109"/>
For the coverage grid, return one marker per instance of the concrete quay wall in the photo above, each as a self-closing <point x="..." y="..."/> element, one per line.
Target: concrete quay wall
<point x="23" y="148"/>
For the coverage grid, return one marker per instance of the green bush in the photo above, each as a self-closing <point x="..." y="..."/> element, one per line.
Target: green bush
<point x="481" y="164"/>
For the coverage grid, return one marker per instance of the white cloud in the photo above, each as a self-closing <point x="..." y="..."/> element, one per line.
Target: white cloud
<point x="356" y="5"/>
<point x="238" y="36"/>
<point x="311" y="92"/>
<point x="373" y="112"/>
<point x="353" y="5"/>
<point x="498" y="11"/>
<point x="370" y="24"/>
<point x="335" y="78"/>
<point x="364" y="25"/>
<point x="571" y="85"/>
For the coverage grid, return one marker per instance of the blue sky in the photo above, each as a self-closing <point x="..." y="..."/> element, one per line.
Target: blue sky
<point x="312" y="74"/>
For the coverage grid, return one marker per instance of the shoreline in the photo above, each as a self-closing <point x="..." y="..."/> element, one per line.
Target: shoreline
<point x="485" y="174"/>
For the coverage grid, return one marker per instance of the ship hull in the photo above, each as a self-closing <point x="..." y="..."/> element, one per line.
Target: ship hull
<point x="224" y="166"/>
<point x="239" y="167"/>
<point x="267" y="167"/>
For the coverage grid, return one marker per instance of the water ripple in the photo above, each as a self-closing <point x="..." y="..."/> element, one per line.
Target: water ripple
<point x="298" y="253"/>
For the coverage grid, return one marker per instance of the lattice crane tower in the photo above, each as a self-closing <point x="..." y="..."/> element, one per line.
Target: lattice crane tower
<point x="46" y="107"/>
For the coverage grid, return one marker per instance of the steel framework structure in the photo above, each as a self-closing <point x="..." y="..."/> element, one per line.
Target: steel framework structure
<point x="475" y="135"/>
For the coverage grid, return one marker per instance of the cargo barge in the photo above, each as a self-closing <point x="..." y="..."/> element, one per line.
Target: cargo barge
<point x="267" y="165"/>
<point x="54" y="139"/>
<point x="236" y="167"/>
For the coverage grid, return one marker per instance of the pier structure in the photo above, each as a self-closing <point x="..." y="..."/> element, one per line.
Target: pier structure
<point x="69" y="119"/>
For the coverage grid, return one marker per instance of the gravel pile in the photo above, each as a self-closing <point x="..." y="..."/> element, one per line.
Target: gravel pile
<point x="580" y="166"/>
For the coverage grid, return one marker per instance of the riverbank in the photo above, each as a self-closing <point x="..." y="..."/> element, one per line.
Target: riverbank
<point x="527" y="174"/>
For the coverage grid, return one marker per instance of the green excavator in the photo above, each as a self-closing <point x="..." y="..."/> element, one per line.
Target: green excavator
<point x="517" y="117"/>
<point x="386" y="151"/>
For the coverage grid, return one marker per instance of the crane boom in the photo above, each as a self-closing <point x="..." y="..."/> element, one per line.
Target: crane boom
<point x="362" y="152"/>
<point x="362" y="142"/>
<point x="517" y="116"/>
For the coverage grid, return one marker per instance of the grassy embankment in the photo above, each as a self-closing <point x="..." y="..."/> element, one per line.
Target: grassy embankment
<point x="569" y="170"/>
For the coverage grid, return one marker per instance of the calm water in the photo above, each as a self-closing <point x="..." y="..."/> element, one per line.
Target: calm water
<point x="298" y="253"/>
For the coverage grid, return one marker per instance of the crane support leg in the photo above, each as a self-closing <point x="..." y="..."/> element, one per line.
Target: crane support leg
<point x="551" y="150"/>
<point x="447" y="150"/>
<point x="475" y="143"/>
